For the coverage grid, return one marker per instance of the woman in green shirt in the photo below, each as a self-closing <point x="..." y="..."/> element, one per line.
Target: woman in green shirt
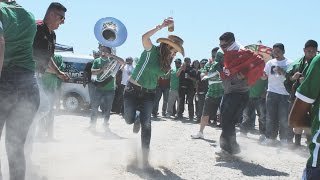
<point x="139" y="94"/>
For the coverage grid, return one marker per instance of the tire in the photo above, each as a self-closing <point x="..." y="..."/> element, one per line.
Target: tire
<point x="73" y="102"/>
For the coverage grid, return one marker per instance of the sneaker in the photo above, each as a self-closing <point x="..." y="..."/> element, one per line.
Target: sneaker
<point x="136" y="124"/>
<point x="163" y="114"/>
<point x="231" y="149"/>
<point x="168" y="115"/>
<point x="262" y="137"/>
<point x="243" y="134"/>
<point x="268" y="142"/>
<point x="155" y="115"/>
<point x="199" y="135"/>
<point x="92" y="126"/>
<point x="284" y="143"/>
<point x="105" y="125"/>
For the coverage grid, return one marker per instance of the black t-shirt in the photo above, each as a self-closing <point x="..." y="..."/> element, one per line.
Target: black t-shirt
<point x="43" y="46"/>
<point x="87" y="71"/>
<point x="202" y="85"/>
<point x="183" y="81"/>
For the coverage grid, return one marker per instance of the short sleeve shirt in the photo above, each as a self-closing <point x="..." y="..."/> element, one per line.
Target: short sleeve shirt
<point x="309" y="92"/>
<point x="147" y="70"/>
<point x="99" y="63"/>
<point x="43" y="46"/>
<point x="18" y="29"/>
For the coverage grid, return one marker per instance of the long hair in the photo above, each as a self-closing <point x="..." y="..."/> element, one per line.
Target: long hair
<point x="165" y="57"/>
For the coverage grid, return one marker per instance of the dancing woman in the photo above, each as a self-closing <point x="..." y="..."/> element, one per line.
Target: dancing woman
<point x="139" y="94"/>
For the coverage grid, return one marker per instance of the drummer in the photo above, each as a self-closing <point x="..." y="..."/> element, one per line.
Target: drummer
<point x="103" y="96"/>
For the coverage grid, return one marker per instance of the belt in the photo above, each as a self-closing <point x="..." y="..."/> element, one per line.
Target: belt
<point x="140" y="88"/>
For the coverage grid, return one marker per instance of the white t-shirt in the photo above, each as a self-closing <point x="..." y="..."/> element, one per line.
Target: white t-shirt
<point x="275" y="80"/>
<point x="126" y="72"/>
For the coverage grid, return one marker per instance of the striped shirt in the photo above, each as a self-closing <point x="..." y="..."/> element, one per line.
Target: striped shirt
<point x="147" y="70"/>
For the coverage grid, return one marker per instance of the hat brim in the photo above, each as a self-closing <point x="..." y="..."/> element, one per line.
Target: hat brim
<point x="176" y="46"/>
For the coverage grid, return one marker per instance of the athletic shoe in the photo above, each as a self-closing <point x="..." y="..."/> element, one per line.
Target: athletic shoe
<point x="199" y="135"/>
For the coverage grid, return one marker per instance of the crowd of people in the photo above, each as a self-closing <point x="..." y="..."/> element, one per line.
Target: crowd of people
<point x="285" y="96"/>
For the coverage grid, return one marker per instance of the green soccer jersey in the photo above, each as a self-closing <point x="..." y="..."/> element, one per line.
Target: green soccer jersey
<point x="52" y="81"/>
<point x="174" y="80"/>
<point x="99" y="63"/>
<point x="258" y="88"/>
<point x="309" y="92"/>
<point x="215" y="88"/>
<point x="147" y="70"/>
<point x="18" y="28"/>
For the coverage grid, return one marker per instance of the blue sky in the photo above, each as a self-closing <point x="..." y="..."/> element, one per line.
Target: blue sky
<point x="199" y="23"/>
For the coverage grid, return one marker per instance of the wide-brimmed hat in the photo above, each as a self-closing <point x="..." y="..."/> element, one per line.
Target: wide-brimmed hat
<point x="173" y="41"/>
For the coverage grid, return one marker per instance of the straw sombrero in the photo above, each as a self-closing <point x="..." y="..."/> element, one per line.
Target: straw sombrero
<point x="174" y="41"/>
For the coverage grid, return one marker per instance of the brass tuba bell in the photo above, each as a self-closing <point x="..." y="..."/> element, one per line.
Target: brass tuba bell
<point x="110" y="32"/>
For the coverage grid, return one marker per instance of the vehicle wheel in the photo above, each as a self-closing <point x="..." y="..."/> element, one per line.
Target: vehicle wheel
<point x="73" y="102"/>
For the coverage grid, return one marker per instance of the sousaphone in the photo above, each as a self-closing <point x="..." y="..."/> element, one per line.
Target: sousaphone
<point x="110" y="32"/>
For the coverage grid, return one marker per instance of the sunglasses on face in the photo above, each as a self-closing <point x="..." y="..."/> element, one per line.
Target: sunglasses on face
<point x="226" y="45"/>
<point x="62" y="17"/>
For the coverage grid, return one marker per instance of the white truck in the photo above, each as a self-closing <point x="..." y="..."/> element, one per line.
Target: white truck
<point x="73" y="94"/>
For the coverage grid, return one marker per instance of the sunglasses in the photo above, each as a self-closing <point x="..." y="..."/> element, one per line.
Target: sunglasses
<point x="62" y="17"/>
<point x="225" y="45"/>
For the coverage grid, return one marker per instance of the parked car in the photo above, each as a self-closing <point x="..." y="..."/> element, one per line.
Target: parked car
<point x="74" y="95"/>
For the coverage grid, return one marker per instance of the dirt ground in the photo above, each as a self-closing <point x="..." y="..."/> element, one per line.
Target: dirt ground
<point x="78" y="153"/>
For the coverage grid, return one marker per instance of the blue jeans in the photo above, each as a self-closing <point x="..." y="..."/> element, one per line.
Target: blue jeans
<point x="104" y="99"/>
<point x="232" y="106"/>
<point x="19" y="102"/>
<point x="142" y="101"/>
<point x="92" y="89"/>
<point x="277" y="116"/>
<point x="249" y="115"/>
<point x="159" y="92"/>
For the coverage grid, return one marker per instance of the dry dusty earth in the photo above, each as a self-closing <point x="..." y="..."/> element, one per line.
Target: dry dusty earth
<point x="80" y="154"/>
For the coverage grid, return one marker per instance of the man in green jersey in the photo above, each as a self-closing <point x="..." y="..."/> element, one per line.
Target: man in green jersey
<point x="19" y="94"/>
<point x="308" y="96"/>
<point x="103" y="96"/>
<point x="212" y="99"/>
<point x="51" y="84"/>
<point x="294" y="76"/>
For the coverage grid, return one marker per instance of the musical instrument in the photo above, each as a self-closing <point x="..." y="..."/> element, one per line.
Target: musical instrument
<point x="110" y="32"/>
<point x="247" y="62"/>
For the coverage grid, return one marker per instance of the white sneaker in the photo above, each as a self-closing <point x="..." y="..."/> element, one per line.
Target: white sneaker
<point x="198" y="136"/>
<point x="92" y="126"/>
<point x="262" y="138"/>
<point x="284" y="142"/>
<point x="268" y="142"/>
<point x="242" y="134"/>
<point x="106" y="125"/>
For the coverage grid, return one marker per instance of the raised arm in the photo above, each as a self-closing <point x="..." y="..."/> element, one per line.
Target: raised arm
<point x="146" y="41"/>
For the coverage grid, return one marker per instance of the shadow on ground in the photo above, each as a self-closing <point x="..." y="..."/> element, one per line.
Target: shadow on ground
<point x="107" y="134"/>
<point x="153" y="172"/>
<point x="247" y="168"/>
